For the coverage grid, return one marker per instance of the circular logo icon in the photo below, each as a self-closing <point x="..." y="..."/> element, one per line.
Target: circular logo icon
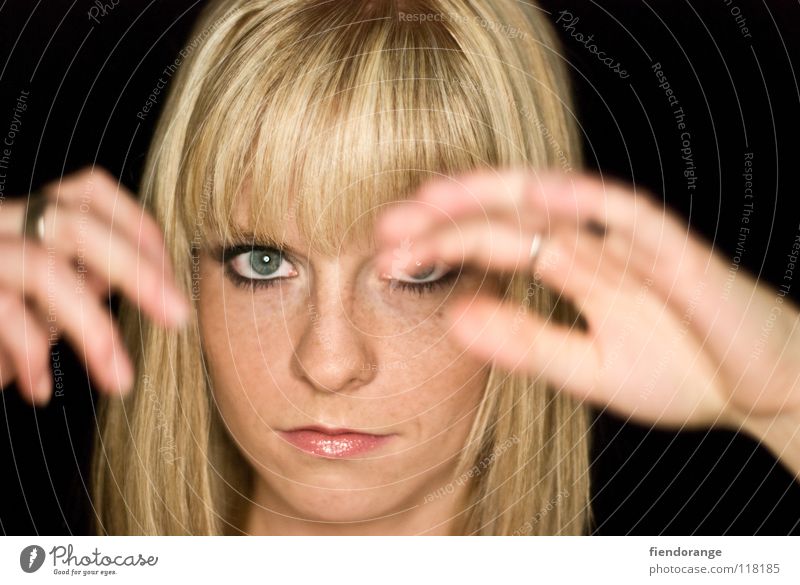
<point x="31" y="558"/>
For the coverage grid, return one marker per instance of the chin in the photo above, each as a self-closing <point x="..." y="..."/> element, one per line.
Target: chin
<point x="337" y="501"/>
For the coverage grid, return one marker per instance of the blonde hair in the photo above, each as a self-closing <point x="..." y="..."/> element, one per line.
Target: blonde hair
<point x="333" y="109"/>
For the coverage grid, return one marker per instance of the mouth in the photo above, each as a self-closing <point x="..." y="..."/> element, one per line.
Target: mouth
<point x="334" y="443"/>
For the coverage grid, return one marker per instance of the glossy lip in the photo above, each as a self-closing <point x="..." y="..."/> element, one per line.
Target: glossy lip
<point x="333" y="443"/>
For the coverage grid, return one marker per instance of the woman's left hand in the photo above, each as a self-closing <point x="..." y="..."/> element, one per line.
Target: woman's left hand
<point x="677" y="335"/>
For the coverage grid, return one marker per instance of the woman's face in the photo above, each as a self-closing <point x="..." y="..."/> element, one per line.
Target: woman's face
<point x="328" y="342"/>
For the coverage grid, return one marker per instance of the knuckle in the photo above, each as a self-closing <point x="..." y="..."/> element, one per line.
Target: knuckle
<point x="105" y="180"/>
<point x="53" y="186"/>
<point x="86" y="183"/>
<point x="65" y="225"/>
<point x="59" y="271"/>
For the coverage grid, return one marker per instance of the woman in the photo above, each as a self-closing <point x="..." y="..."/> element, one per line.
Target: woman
<point x="356" y="364"/>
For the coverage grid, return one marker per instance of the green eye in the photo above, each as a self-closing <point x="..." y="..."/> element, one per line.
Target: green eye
<point x="265" y="262"/>
<point x="262" y="265"/>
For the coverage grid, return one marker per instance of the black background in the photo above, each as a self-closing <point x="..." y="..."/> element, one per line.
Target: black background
<point x="88" y="80"/>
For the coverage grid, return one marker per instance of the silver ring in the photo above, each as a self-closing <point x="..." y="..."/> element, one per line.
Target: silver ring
<point x="33" y="222"/>
<point x="536" y="245"/>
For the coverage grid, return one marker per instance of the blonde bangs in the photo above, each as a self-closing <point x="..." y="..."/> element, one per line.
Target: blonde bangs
<point x="324" y="126"/>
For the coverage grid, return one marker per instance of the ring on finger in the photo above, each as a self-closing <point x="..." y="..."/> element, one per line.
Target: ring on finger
<point x="33" y="222"/>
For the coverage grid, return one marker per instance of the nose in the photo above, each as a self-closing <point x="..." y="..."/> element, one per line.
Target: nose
<point x="333" y="354"/>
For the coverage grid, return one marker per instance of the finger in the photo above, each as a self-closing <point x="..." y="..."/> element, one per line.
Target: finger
<point x="488" y="242"/>
<point x="25" y="345"/>
<point x="449" y="198"/>
<point x="89" y="281"/>
<point x="727" y="308"/>
<point x="652" y="240"/>
<point x="596" y="284"/>
<point x="48" y="281"/>
<point x="522" y="341"/>
<point x="112" y="257"/>
<point x="95" y="190"/>
<point x="574" y="260"/>
<point x="541" y="201"/>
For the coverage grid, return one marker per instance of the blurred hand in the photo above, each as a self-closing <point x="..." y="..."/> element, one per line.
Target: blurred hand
<point x="674" y="336"/>
<point x="97" y="239"/>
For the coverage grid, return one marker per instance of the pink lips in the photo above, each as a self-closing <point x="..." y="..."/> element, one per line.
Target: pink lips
<point x="333" y="443"/>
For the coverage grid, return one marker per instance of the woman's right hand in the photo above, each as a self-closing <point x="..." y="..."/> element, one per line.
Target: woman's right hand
<point x="97" y="238"/>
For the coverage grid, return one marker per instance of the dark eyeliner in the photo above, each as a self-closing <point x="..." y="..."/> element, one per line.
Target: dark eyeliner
<point x="225" y="254"/>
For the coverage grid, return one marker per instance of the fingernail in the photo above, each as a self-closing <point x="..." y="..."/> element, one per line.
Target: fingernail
<point x="124" y="373"/>
<point x="179" y="308"/>
<point x="43" y="393"/>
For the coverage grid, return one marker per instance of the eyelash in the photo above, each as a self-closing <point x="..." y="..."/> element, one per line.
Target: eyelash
<point x="421" y="288"/>
<point x="228" y="253"/>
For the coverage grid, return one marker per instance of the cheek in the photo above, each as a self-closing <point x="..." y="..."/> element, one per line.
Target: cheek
<point x="426" y="382"/>
<point x="434" y="377"/>
<point x="427" y="358"/>
<point x="243" y="345"/>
